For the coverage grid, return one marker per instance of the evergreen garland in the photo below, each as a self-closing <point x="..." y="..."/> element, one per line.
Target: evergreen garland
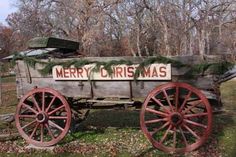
<point x="221" y="68"/>
<point x="211" y="68"/>
<point x="215" y="68"/>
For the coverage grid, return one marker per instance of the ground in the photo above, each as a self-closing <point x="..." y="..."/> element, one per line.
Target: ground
<point x="117" y="133"/>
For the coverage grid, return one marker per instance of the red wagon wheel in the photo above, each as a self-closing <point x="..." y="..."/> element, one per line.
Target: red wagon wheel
<point x="43" y="117"/>
<point x="176" y="118"/>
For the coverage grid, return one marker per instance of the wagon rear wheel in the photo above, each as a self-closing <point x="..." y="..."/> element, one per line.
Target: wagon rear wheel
<point x="43" y="117"/>
<point x="176" y="118"/>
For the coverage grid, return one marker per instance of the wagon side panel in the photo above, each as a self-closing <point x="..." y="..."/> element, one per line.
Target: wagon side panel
<point x="29" y="78"/>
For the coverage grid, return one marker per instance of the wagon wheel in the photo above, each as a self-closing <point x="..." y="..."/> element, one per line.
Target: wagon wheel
<point x="43" y="117"/>
<point x="176" y="118"/>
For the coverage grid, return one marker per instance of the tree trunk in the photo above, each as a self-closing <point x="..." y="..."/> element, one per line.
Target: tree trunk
<point x="0" y="84"/>
<point x="201" y="41"/>
<point x="167" y="47"/>
<point x="147" y="51"/>
<point x="138" y="42"/>
<point x="208" y="43"/>
<point x="190" y="45"/>
<point x="131" y="48"/>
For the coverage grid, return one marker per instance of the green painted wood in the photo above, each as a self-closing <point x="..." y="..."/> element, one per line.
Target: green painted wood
<point x="51" y="42"/>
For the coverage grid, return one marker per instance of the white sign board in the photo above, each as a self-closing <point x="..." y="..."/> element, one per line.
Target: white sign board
<point x="119" y="72"/>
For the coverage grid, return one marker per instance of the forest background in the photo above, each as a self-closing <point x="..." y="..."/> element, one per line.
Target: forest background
<point x="125" y="27"/>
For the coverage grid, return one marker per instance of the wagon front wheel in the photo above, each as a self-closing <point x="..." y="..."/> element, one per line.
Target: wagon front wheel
<point x="43" y="117"/>
<point x="176" y="118"/>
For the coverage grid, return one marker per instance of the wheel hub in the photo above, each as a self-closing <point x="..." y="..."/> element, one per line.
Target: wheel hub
<point x="176" y="118"/>
<point x="42" y="117"/>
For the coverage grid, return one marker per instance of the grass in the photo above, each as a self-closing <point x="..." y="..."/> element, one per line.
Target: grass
<point x="41" y="154"/>
<point x="227" y="121"/>
<point x="8" y="109"/>
<point x="9" y="98"/>
<point x="8" y="79"/>
<point x="113" y="128"/>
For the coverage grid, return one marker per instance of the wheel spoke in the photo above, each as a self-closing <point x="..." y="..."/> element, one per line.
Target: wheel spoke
<point x="165" y="135"/>
<point x="56" y="109"/>
<point x="50" y="104"/>
<point x="43" y="101"/>
<point x="182" y="133"/>
<point x="167" y="98"/>
<point x="159" y="103"/>
<point x="195" y="123"/>
<point x="41" y="135"/>
<point x="25" y="126"/>
<point x="51" y="123"/>
<point x="192" y="106"/>
<point x="177" y="98"/>
<point x="35" y="128"/>
<point x="49" y="131"/>
<point x="191" y="131"/>
<point x="36" y="103"/>
<point x="192" y="99"/>
<point x="195" y="115"/>
<point x="30" y="108"/>
<point x="174" y="138"/>
<point x="155" y="121"/>
<point x="185" y="100"/>
<point x="58" y="117"/>
<point x="157" y="112"/>
<point x="27" y="116"/>
<point x="162" y="127"/>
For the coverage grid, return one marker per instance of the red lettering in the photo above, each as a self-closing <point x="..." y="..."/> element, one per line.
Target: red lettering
<point x="103" y="72"/>
<point x="146" y="72"/>
<point x="163" y="71"/>
<point x="66" y="73"/>
<point x="87" y="70"/>
<point x="154" y="72"/>
<point x="119" y="71"/>
<point x="59" y="73"/>
<point x="125" y="72"/>
<point x="72" y="72"/>
<point x="130" y="71"/>
<point x="80" y="72"/>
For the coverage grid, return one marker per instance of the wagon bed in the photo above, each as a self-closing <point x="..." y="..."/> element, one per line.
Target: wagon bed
<point x="28" y="78"/>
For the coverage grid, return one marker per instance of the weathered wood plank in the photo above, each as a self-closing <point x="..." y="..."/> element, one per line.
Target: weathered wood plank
<point x="118" y="89"/>
<point x="121" y="89"/>
<point x="67" y="88"/>
<point x="142" y="88"/>
<point x="110" y="102"/>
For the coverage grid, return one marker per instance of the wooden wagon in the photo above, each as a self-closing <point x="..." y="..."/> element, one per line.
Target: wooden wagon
<point x="175" y="97"/>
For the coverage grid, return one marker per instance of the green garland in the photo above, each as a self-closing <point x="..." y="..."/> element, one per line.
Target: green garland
<point x="215" y="68"/>
<point x="212" y="68"/>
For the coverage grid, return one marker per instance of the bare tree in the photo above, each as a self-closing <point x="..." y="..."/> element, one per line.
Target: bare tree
<point x="132" y="27"/>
